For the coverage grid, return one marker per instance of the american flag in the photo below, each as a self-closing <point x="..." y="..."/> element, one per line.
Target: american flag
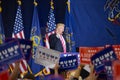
<point x="18" y="25"/>
<point x="50" y="26"/>
<point x="19" y="33"/>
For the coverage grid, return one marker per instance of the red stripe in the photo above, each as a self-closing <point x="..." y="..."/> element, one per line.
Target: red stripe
<point x="63" y="43"/>
<point x="12" y="67"/>
<point x="47" y="38"/>
<point x="23" y="65"/>
<point x="15" y="36"/>
<point x="21" y="35"/>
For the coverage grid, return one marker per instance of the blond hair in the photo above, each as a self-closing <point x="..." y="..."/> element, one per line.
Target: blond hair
<point x="59" y="24"/>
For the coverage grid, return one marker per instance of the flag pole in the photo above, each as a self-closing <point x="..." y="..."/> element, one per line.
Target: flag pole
<point x="2" y="35"/>
<point x="19" y="2"/>
<point x="35" y="3"/>
<point x="0" y="7"/>
<point x="51" y="4"/>
<point x="68" y="4"/>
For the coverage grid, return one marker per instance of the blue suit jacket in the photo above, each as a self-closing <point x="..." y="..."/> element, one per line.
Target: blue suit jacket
<point x="56" y="44"/>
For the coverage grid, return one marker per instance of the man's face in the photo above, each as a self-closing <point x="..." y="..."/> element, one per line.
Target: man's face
<point x="60" y="29"/>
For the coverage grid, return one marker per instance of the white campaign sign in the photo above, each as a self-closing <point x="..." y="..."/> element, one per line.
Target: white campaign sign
<point x="46" y="57"/>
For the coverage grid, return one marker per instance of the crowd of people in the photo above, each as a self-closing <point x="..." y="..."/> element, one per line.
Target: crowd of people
<point x="58" y="42"/>
<point x="83" y="72"/>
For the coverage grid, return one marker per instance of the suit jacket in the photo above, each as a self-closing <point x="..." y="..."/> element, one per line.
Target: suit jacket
<point x="56" y="44"/>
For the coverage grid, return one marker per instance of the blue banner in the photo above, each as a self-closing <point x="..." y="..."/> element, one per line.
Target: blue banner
<point x="10" y="52"/>
<point x="68" y="62"/>
<point x="25" y="45"/>
<point x="98" y="59"/>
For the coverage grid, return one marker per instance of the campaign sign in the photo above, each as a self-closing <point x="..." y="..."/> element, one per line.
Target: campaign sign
<point x="71" y="53"/>
<point x="25" y="45"/>
<point x="68" y="62"/>
<point x="87" y="52"/>
<point x="46" y="57"/>
<point x="117" y="50"/>
<point x="107" y="54"/>
<point x="4" y="67"/>
<point x="116" y="70"/>
<point x="108" y="70"/>
<point x="4" y="75"/>
<point x="10" y="52"/>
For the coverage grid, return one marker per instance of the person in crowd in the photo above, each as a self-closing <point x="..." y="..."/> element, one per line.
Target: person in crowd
<point x="92" y="75"/>
<point x="83" y="72"/>
<point x="28" y="76"/>
<point x="58" y="41"/>
<point x="56" y="75"/>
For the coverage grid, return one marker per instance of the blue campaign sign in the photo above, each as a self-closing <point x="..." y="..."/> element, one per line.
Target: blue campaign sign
<point x="108" y="70"/>
<point x="70" y="54"/>
<point x="25" y="45"/>
<point x="10" y="52"/>
<point x="68" y="62"/>
<point x="98" y="59"/>
<point x="3" y="68"/>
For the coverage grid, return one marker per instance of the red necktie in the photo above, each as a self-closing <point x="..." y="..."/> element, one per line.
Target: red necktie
<point x="63" y="43"/>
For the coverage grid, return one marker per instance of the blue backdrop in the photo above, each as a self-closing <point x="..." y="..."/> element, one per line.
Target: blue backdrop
<point x="90" y="24"/>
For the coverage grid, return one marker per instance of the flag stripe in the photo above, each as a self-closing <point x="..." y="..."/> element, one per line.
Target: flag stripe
<point x="47" y="39"/>
<point x="23" y="66"/>
<point x="19" y="35"/>
<point x="63" y="43"/>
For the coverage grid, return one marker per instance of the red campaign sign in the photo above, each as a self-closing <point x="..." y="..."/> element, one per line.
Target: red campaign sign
<point x="116" y="70"/>
<point x="87" y="52"/>
<point x="4" y="75"/>
<point x="117" y="50"/>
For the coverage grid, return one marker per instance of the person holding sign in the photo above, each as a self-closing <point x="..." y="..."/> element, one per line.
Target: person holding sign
<point x="58" y="41"/>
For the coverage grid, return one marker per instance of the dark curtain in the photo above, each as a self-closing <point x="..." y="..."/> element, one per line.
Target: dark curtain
<point x="9" y="12"/>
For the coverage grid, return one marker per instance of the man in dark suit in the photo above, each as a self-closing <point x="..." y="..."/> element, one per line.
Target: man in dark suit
<point x="58" y="41"/>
